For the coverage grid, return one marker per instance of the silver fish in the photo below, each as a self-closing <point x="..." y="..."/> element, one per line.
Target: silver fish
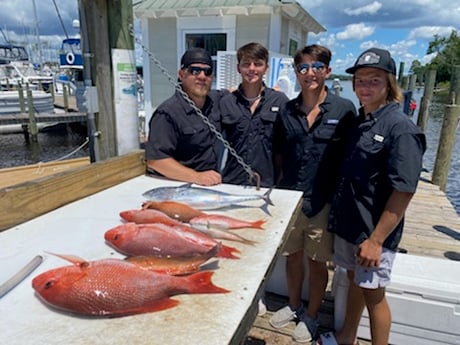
<point x="203" y="198"/>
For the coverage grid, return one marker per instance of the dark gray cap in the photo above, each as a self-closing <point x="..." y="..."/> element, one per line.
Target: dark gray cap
<point x="375" y="58"/>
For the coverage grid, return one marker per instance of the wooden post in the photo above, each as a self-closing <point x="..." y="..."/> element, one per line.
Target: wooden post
<point x="97" y="26"/>
<point x="412" y="81"/>
<point x="32" y="123"/>
<point x="446" y="144"/>
<point x="65" y="93"/>
<point x="106" y="27"/>
<point x="22" y="103"/>
<point x="401" y="73"/>
<point x="455" y="85"/>
<point x="426" y="99"/>
<point x="405" y="83"/>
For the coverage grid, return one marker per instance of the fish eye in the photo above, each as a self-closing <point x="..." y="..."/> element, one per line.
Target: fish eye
<point x="49" y="284"/>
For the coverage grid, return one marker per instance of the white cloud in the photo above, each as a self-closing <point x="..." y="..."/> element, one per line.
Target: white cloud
<point x="368" y="9"/>
<point x="355" y="32"/>
<point x="428" y="32"/>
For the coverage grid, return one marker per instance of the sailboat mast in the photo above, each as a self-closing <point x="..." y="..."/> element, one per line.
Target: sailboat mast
<point x="38" y="36"/>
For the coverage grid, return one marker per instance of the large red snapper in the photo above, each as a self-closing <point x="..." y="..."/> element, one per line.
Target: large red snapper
<point x="114" y="287"/>
<point x="162" y="240"/>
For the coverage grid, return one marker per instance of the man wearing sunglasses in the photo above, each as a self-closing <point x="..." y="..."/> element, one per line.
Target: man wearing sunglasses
<point x="312" y="132"/>
<point x="180" y="145"/>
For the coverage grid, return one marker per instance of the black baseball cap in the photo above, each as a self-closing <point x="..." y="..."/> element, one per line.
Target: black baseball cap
<point x="375" y="58"/>
<point x="195" y="55"/>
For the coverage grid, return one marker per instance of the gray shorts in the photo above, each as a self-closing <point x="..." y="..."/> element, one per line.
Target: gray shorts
<point x="311" y="235"/>
<point x="365" y="277"/>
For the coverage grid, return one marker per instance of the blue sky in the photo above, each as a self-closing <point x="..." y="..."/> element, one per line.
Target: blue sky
<point x="405" y="27"/>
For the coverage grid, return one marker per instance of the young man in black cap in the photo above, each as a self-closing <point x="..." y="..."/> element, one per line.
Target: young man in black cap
<point x="180" y="144"/>
<point x="378" y="179"/>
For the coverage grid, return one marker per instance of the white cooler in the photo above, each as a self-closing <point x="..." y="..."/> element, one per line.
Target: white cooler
<point x="424" y="298"/>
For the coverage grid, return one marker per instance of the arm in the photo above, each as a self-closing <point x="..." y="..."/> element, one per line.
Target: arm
<point x="172" y="169"/>
<point x="370" y="250"/>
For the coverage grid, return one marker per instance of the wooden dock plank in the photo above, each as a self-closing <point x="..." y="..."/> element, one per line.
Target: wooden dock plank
<point x="23" y="119"/>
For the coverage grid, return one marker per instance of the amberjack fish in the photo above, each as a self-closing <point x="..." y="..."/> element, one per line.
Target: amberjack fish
<point x="204" y="198"/>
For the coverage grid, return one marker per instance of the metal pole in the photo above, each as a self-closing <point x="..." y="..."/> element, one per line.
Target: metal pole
<point x="38" y="37"/>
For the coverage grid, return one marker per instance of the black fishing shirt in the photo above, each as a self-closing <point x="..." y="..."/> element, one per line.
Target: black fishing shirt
<point x="176" y="131"/>
<point x="251" y="135"/>
<point x="311" y="156"/>
<point x="385" y="153"/>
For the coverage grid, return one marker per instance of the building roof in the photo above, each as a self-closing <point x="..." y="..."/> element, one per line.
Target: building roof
<point x="200" y="8"/>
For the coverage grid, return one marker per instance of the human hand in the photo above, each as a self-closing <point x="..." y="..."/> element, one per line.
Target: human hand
<point x="369" y="253"/>
<point x="207" y="178"/>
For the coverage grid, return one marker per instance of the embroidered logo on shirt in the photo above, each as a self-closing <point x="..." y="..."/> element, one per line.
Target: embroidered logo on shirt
<point x="378" y="138"/>
<point x="332" y="121"/>
<point x="275" y="108"/>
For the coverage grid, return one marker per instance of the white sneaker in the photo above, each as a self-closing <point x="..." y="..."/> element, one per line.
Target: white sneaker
<point x="262" y="308"/>
<point x="283" y="316"/>
<point x="305" y="330"/>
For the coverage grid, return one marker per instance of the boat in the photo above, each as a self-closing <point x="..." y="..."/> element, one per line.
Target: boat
<point x="70" y="70"/>
<point x="11" y="52"/>
<point x="336" y="85"/>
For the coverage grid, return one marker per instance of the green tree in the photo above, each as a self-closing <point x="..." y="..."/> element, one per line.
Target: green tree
<point x="417" y="69"/>
<point x="447" y="51"/>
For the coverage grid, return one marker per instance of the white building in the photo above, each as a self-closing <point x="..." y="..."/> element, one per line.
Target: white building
<point x="169" y="28"/>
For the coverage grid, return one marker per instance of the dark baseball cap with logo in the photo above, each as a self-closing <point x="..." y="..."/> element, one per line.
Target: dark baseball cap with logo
<point x="375" y="58"/>
<point x="195" y="55"/>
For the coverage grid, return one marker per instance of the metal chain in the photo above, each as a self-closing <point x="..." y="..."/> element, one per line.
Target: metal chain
<point x="252" y="175"/>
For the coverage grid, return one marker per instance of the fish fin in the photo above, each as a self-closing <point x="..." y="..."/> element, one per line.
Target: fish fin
<point x="156" y="305"/>
<point x="76" y="260"/>
<point x="258" y="224"/>
<point x="227" y="252"/>
<point x="201" y="283"/>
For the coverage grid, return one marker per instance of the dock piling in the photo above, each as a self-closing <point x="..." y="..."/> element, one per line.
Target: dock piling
<point x="430" y="80"/>
<point x="446" y="144"/>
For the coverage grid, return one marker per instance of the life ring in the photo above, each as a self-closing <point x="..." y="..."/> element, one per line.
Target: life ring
<point x="70" y="58"/>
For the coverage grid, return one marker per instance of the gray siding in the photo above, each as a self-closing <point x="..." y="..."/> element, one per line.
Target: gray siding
<point x="163" y="43"/>
<point x="253" y="28"/>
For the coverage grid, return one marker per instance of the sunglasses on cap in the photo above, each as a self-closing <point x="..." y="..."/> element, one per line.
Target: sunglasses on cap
<point x="195" y="70"/>
<point x="315" y="66"/>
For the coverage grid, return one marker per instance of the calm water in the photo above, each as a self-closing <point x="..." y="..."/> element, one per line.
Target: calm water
<point x="54" y="145"/>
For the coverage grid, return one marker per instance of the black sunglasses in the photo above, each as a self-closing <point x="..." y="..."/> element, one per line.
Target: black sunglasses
<point x="195" y="70"/>
<point x="315" y="66"/>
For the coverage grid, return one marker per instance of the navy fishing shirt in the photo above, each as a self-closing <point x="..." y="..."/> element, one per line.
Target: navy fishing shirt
<point x="311" y="156"/>
<point x="176" y="131"/>
<point x="385" y="153"/>
<point x="251" y="135"/>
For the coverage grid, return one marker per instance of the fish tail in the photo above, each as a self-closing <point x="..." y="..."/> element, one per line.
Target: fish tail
<point x="201" y="283"/>
<point x="227" y="252"/>
<point x="266" y="197"/>
<point x="268" y="201"/>
<point x="258" y="224"/>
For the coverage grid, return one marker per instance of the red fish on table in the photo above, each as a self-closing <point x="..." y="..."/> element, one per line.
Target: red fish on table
<point x="148" y="215"/>
<point x="173" y="266"/>
<point x="185" y="213"/>
<point x="114" y="287"/>
<point x="165" y="241"/>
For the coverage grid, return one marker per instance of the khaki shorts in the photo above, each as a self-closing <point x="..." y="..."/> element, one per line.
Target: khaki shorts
<point x="311" y="235"/>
